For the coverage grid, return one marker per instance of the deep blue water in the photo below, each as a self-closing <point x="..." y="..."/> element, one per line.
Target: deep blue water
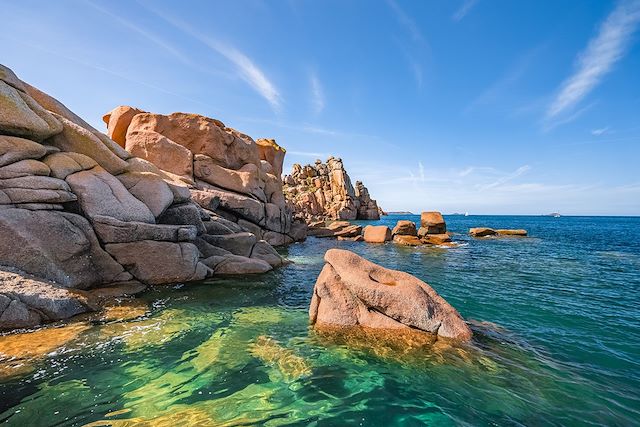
<point x="556" y="323"/>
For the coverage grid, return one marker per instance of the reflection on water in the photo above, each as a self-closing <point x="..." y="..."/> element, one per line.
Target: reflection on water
<point x="555" y="321"/>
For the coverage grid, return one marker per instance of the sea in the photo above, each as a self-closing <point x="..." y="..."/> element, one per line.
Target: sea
<point x="555" y="318"/>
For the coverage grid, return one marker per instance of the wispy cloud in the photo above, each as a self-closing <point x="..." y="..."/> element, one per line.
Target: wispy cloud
<point x="600" y="131"/>
<point x="249" y="72"/>
<point x="141" y="31"/>
<point x="598" y="59"/>
<point x="462" y="11"/>
<point x="245" y="66"/>
<point x="317" y="94"/>
<point x="503" y="180"/>
<point x="405" y="20"/>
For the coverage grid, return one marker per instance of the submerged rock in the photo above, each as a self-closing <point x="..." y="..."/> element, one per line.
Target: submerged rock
<point x="352" y="291"/>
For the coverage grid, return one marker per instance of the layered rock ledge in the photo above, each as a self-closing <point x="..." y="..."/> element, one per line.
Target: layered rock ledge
<point x="353" y="292"/>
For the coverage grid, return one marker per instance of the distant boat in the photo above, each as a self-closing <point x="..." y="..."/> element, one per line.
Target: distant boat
<point x="466" y="214"/>
<point x="554" y="214"/>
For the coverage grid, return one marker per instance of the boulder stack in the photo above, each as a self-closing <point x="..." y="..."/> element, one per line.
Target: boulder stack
<point x="353" y="292"/>
<point x="433" y="229"/>
<point x="323" y="191"/>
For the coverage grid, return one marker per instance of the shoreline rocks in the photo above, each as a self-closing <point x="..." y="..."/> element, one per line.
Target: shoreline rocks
<point x="78" y="211"/>
<point x="351" y="291"/>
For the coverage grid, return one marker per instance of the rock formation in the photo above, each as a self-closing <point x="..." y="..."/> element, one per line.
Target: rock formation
<point x="490" y="232"/>
<point x="376" y="234"/>
<point x="353" y="292"/>
<point x="80" y="211"/>
<point x="323" y="191"/>
<point x="228" y="173"/>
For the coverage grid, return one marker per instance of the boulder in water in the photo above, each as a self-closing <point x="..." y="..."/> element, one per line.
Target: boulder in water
<point x="352" y="291"/>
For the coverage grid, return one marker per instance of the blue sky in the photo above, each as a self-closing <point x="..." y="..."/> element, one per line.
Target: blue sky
<point x="485" y="106"/>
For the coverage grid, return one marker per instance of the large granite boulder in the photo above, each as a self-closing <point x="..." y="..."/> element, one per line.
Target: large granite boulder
<point x="432" y="223"/>
<point x="353" y="292"/>
<point x="153" y="262"/>
<point x="100" y="193"/>
<point x="58" y="246"/>
<point x="405" y="228"/>
<point x="376" y="234"/>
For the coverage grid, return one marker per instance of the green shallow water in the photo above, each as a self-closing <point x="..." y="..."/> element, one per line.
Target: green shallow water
<point x="556" y="342"/>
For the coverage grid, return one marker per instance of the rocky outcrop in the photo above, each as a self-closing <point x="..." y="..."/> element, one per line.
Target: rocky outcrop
<point x="240" y="176"/>
<point x="490" y="232"/>
<point x="323" y="191"/>
<point x="431" y="232"/>
<point x="78" y="211"/>
<point x="353" y="292"/>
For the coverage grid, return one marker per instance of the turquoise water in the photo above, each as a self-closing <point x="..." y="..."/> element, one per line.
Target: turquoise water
<point x="556" y="323"/>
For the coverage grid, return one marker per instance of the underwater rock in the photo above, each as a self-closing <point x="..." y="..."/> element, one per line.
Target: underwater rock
<point x="352" y="291"/>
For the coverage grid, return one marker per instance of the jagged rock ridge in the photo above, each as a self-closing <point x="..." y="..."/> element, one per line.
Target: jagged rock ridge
<point x="324" y="191"/>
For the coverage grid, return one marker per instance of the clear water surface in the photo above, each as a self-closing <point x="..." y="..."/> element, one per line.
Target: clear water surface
<point x="556" y="323"/>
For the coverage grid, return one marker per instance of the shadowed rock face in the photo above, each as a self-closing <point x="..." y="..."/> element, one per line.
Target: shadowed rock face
<point x="323" y="191"/>
<point x="352" y="291"/>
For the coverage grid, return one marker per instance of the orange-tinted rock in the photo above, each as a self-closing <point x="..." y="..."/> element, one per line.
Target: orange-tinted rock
<point x="272" y="153"/>
<point x="406" y="240"/>
<point x="436" y="239"/>
<point x="516" y="233"/>
<point x="161" y="151"/>
<point x="482" y="232"/>
<point x="352" y="291"/>
<point x="201" y="135"/>
<point x="118" y="121"/>
<point x="377" y="234"/>
<point x="405" y="228"/>
<point x="433" y="223"/>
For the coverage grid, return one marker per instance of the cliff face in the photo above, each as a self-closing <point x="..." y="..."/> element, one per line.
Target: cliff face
<point x="324" y="191"/>
<point x="80" y="211"/>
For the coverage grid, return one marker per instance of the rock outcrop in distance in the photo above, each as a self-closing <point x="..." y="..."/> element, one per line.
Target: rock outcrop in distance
<point x="323" y="191"/>
<point x="353" y="292"/>
<point x="80" y="211"/>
